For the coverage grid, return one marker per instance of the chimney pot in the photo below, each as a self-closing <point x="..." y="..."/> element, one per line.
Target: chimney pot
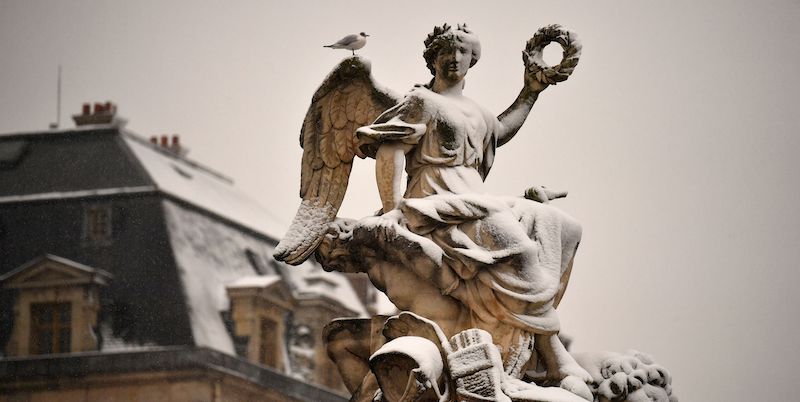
<point x="176" y="144"/>
<point x="154" y="140"/>
<point x="103" y="113"/>
<point x="164" y="141"/>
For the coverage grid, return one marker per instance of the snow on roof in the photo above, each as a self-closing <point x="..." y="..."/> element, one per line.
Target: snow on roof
<point x="210" y="255"/>
<point x="201" y="187"/>
<point x="59" y="131"/>
<point x="112" y="343"/>
<point x="254" y="281"/>
<point x="62" y="195"/>
<point x="312" y="281"/>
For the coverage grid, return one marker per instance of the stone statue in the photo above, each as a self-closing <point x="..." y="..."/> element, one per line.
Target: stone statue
<point x="478" y="276"/>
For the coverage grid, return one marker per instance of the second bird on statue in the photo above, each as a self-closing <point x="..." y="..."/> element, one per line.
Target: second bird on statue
<point x="350" y="42"/>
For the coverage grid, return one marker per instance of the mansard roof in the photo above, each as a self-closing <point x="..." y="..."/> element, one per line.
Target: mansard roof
<point x="214" y="233"/>
<point x="106" y="160"/>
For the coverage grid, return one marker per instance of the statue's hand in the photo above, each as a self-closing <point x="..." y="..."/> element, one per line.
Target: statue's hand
<point x="532" y="74"/>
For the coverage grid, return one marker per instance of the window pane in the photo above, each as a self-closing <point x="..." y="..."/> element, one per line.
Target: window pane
<point x="63" y="341"/>
<point x="50" y="328"/>
<point x="269" y="342"/>
<point x="45" y="316"/>
<point x="45" y="342"/>
<point x="64" y="314"/>
<point x="97" y="224"/>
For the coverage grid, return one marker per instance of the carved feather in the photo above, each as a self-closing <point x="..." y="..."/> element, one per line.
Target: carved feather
<point x="347" y="99"/>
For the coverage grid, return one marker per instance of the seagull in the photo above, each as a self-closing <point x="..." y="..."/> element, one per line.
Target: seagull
<point x="350" y="42"/>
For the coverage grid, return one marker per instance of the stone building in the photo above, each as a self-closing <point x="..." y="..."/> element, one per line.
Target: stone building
<point x="130" y="272"/>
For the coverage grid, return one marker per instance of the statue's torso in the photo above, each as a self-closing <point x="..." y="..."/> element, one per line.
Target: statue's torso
<point x="451" y="154"/>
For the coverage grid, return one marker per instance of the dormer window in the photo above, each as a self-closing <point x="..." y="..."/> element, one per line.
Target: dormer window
<point x="257" y="262"/>
<point x="12" y="152"/>
<point x="51" y="328"/>
<point x="56" y="304"/>
<point x="97" y="227"/>
<point x="259" y="307"/>
<point x="269" y="351"/>
<point x="185" y="174"/>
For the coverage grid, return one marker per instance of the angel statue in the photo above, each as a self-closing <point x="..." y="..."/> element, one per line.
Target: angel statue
<point x="478" y="276"/>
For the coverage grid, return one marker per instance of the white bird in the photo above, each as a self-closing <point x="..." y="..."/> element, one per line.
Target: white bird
<point x="351" y="42"/>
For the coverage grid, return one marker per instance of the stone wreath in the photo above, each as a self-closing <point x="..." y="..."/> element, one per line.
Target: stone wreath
<point x="534" y="49"/>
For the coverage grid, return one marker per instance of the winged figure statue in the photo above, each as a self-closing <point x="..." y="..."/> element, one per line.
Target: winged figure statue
<point x="477" y="276"/>
<point x="471" y="271"/>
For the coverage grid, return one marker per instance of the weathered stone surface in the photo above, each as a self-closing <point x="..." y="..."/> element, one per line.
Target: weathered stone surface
<point x="477" y="276"/>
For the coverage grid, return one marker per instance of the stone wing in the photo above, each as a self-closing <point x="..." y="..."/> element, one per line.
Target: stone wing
<point x="347" y="99"/>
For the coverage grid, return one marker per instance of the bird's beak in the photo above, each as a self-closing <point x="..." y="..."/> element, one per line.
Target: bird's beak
<point x="366" y="35"/>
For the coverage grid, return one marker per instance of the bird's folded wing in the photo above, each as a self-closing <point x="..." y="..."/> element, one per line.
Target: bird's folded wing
<point x="347" y="99"/>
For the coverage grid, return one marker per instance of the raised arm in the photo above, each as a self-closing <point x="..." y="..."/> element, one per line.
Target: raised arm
<point x="512" y="118"/>
<point x="538" y="75"/>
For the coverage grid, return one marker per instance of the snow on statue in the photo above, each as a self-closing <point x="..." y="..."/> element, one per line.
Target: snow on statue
<point x="479" y="276"/>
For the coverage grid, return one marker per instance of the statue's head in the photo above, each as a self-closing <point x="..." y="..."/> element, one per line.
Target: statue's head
<point x="451" y="52"/>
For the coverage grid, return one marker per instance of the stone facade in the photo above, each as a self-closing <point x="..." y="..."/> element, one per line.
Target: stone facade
<point x="165" y="374"/>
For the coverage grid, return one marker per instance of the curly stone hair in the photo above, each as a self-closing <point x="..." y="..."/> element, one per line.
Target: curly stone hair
<point x="444" y="36"/>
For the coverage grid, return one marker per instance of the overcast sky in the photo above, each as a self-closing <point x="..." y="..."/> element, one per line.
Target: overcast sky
<point x="676" y="138"/>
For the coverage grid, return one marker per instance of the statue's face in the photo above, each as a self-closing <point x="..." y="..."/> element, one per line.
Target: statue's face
<point x="453" y="61"/>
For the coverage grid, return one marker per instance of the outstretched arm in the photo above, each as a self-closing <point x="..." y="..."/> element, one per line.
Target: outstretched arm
<point x="511" y="120"/>
<point x="538" y="75"/>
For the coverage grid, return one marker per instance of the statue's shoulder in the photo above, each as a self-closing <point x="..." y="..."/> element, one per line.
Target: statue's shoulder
<point x="421" y="93"/>
<point x="415" y="105"/>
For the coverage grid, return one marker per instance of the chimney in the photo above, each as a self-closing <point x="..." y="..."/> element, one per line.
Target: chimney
<point x="171" y="143"/>
<point x="176" y="144"/>
<point x="104" y="113"/>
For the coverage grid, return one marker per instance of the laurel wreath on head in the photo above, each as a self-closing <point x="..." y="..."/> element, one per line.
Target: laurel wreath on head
<point x="533" y="54"/>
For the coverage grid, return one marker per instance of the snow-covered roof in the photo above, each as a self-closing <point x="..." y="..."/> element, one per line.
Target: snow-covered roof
<point x="254" y="281"/>
<point x="197" y="185"/>
<point x="216" y="234"/>
<point x="58" y="131"/>
<point x="63" y="195"/>
<point x="164" y="171"/>
<point x="311" y="281"/>
<point x="212" y="256"/>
